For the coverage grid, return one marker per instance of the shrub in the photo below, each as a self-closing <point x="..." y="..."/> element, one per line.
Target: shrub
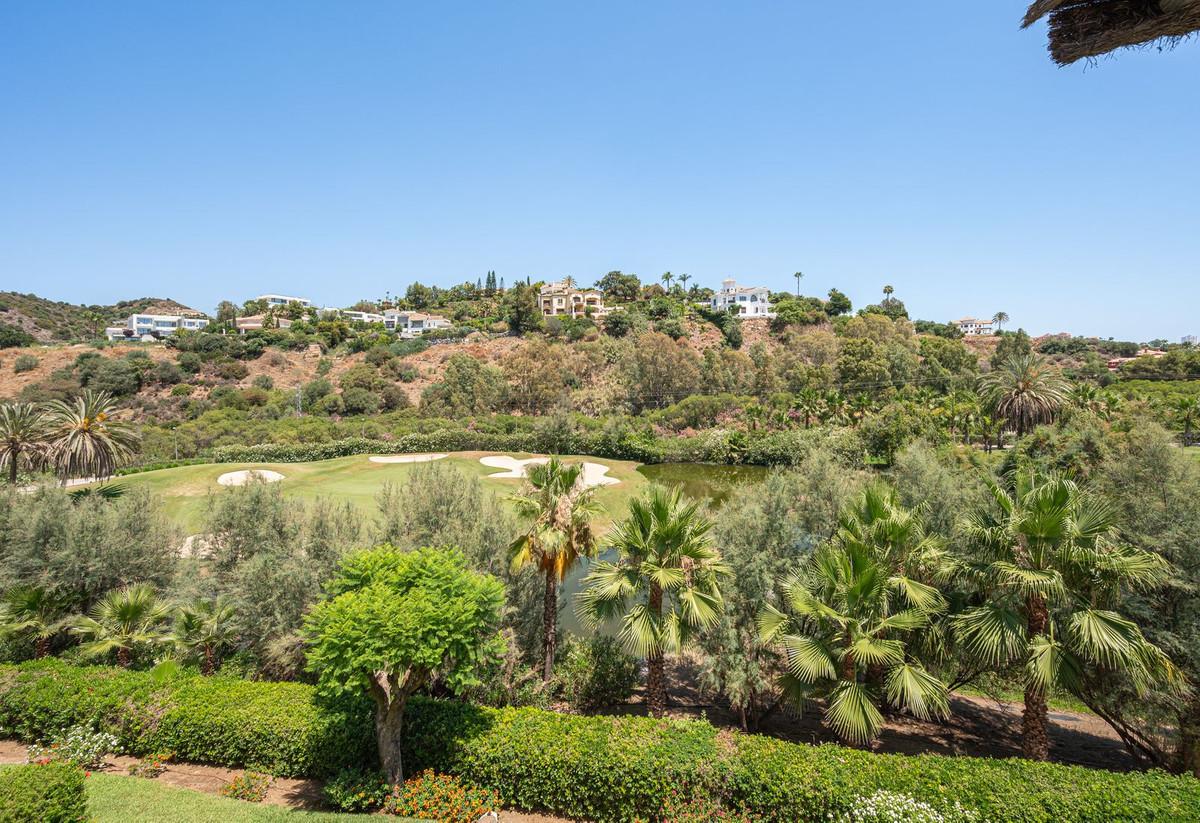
<point x="232" y="370"/>
<point x="47" y="793"/>
<point x="357" y="790"/>
<point x="890" y="807"/>
<point x="442" y="799"/>
<point x="79" y="745"/>
<point x="681" y="807"/>
<point x="189" y="362"/>
<point x="264" y="382"/>
<point x="378" y="356"/>
<point x="597" y="672"/>
<point x="151" y="766"/>
<point x="249" y="786"/>
<point x="24" y="363"/>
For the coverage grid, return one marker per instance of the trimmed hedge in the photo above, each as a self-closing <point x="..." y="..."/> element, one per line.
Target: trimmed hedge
<point x="605" y="769"/>
<point x="47" y="793"/>
<point x="282" y="728"/>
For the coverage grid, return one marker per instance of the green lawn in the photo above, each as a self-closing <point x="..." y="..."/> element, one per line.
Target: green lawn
<point x="116" y="799"/>
<point x="1194" y="451"/>
<point x="186" y="489"/>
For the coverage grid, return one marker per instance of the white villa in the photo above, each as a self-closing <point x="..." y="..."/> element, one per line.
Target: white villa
<point x="751" y="301"/>
<point x="154" y="326"/>
<point x="362" y="316"/>
<point x="409" y="324"/>
<point x="274" y="301"/>
<point x="974" y="327"/>
<point x="562" y="298"/>
<point x="255" y="322"/>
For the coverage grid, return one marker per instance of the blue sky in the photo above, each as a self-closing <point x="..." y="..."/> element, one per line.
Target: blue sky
<point x="338" y="150"/>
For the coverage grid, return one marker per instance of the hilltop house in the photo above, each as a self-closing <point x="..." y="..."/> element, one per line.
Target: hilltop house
<point x="750" y="301"/>
<point x="974" y="327"/>
<point x="275" y="301"/>
<point x="254" y="322"/>
<point x="362" y="316"/>
<point x="563" y="299"/>
<point x="154" y="326"/>
<point x="409" y="324"/>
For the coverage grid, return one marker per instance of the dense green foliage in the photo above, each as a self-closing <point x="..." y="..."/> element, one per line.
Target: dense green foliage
<point x="45" y="792"/>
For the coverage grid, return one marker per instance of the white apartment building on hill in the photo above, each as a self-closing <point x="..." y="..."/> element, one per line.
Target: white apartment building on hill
<point x="277" y="300"/>
<point x="409" y="324"/>
<point x="154" y="326"/>
<point x="750" y="301"/>
<point x="974" y="327"/>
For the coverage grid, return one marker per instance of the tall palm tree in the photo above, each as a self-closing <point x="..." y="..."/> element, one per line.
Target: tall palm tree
<point x="663" y="587"/>
<point x="888" y="291"/>
<point x="1050" y="570"/>
<point x="85" y="439"/>
<point x="683" y="278"/>
<point x="122" y="621"/>
<point x="559" y="509"/>
<point x="1000" y="318"/>
<point x="667" y="278"/>
<point x="1025" y="391"/>
<point x="22" y="438"/>
<point x="202" y="629"/>
<point x="30" y="612"/>
<point x="798" y="275"/>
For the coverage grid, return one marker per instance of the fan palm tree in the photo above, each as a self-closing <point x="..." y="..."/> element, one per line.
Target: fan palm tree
<point x="122" y="621"/>
<point x="798" y="275"/>
<point x="559" y="510"/>
<point x="22" y="438"/>
<point x="1086" y="397"/>
<point x="888" y="291"/>
<point x="85" y="440"/>
<point x="202" y="629"/>
<point x="1000" y="318"/>
<point x="1050" y="569"/>
<point x="29" y="612"/>
<point x="808" y="403"/>
<point x="1025" y="391"/>
<point x="663" y="587"/>
<point x="1187" y="410"/>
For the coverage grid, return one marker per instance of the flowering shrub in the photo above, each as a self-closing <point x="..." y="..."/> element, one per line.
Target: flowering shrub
<point x="152" y="765"/>
<point x="79" y="745"/>
<point x="894" y="807"/>
<point x="680" y="807"/>
<point x="249" y="786"/>
<point x="357" y="790"/>
<point x="442" y="799"/>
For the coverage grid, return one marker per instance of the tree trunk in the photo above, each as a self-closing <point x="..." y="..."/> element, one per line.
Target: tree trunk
<point x="656" y="675"/>
<point x="549" y="625"/>
<point x="42" y="647"/>
<point x="12" y="467"/>
<point x="1035" y="738"/>
<point x="1189" y="736"/>
<point x="210" y="661"/>
<point x="124" y="658"/>
<point x="389" y="723"/>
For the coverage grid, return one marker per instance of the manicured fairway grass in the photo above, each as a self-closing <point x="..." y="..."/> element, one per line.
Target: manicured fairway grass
<point x="186" y="490"/>
<point x="116" y="799"/>
<point x="1194" y="451"/>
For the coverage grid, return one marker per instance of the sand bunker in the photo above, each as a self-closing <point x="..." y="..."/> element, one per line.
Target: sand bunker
<point x="407" y="458"/>
<point x="594" y="474"/>
<point x="247" y="475"/>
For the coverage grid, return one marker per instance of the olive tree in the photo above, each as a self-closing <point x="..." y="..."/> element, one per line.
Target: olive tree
<point x="394" y="622"/>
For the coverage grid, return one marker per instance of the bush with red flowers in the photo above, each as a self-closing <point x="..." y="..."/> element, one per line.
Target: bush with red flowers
<point x="442" y="799"/>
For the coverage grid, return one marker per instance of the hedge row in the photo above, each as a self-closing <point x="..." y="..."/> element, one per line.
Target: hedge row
<point x="278" y="727"/>
<point x="717" y="446"/>
<point x="595" y="768"/>
<point x="49" y="793"/>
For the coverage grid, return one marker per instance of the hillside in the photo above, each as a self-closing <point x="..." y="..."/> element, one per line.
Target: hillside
<point x="51" y="321"/>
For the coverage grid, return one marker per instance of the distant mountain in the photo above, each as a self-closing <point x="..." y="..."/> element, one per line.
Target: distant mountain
<point x="50" y="321"/>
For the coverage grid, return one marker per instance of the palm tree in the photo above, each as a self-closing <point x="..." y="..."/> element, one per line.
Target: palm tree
<point x="1086" y="397"/>
<point x="798" y="275"/>
<point x="85" y="440"/>
<point x="1025" y="391"/>
<point x="1049" y="567"/>
<point x="664" y="585"/>
<point x="808" y="403"/>
<point x="888" y="291"/>
<point x="122" y="621"/>
<point x="1187" y="409"/>
<point x="22" y="438"/>
<point x="202" y="629"/>
<point x="667" y="278"/>
<point x="1000" y="318"/>
<point x="560" y="510"/>
<point x="30" y="612"/>
<point x="683" y="278"/>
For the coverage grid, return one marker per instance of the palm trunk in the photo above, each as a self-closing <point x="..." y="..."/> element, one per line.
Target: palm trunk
<point x="656" y="674"/>
<point x="210" y="661"/>
<point x="1035" y="738"/>
<point x="549" y="625"/>
<point x="12" y="467"/>
<point x="42" y="647"/>
<point x="124" y="658"/>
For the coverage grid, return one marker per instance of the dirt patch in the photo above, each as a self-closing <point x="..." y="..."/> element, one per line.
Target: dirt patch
<point x="53" y="358"/>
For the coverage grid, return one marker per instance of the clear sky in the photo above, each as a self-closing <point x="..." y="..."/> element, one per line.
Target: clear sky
<point x="338" y="150"/>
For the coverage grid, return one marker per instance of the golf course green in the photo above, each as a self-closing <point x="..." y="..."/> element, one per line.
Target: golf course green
<point x="186" y="490"/>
